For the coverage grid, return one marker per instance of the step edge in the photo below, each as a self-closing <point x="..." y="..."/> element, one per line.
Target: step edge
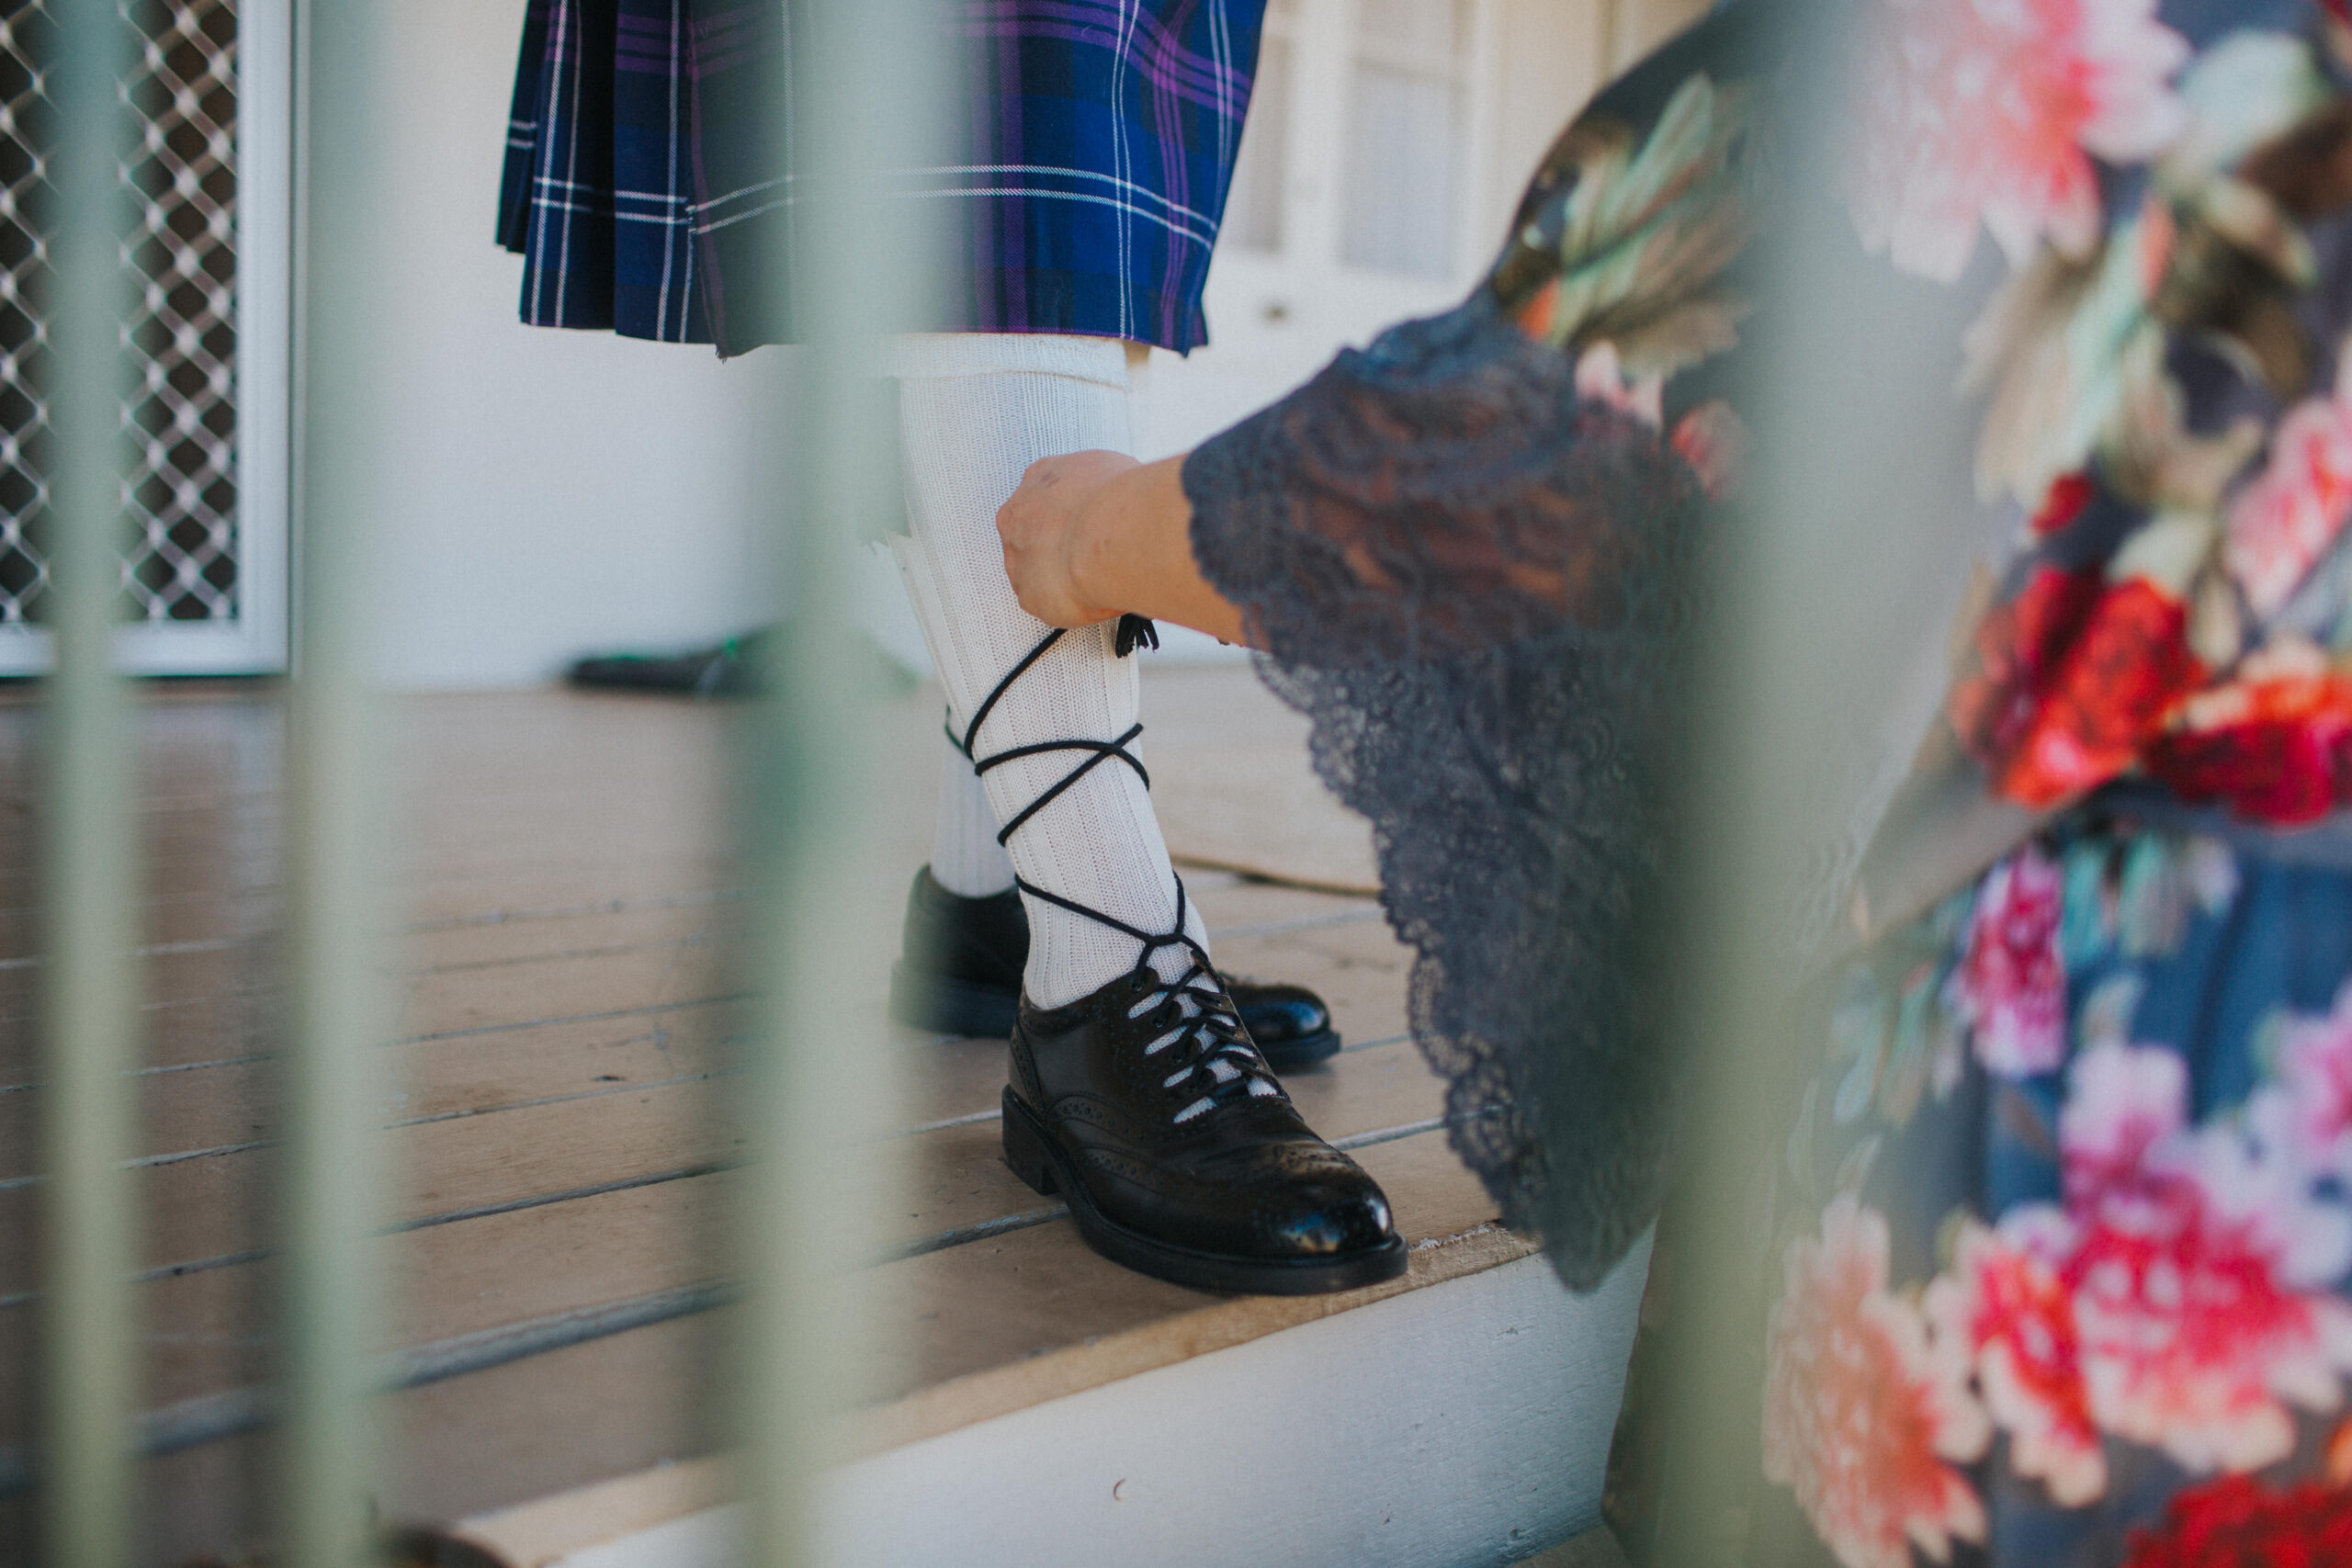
<point x="533" y="1534"/>
<point x="983" y="1395"/>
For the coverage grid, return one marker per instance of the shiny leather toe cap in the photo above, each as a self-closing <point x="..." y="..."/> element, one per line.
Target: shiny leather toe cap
<point x="1286" y="1201"/>
<point x="1344" y="1219"/>
<point x="1323" y="1203"/>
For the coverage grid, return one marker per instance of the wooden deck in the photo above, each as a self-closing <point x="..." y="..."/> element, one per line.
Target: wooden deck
<point x="568" y="1002"/>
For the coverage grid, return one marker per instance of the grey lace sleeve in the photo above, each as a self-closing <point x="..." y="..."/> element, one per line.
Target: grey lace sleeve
<point x="1477" y="587"/>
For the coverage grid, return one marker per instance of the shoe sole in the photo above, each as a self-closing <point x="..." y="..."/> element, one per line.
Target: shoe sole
<point x="1035" y="1157"/>
<point x="947" y="1006"/>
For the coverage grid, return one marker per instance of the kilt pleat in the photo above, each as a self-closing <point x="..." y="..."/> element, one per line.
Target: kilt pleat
<point x="648" y="190"/>
<point x="598" y="192"/>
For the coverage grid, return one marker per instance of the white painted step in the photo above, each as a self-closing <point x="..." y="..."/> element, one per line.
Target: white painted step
<point x="1464" y="1424"/>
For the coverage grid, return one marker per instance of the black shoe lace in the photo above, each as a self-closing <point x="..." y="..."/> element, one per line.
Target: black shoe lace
<point x="1213" y="1049"/>
<point x="1210" y="1049"/>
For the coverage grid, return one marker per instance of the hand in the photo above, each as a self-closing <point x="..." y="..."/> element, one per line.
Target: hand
<point x="1047" y="537"/>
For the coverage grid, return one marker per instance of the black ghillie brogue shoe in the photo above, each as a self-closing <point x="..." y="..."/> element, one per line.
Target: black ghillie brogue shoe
<point x="959" y="972"/>
<point x="1145" y="1107"/>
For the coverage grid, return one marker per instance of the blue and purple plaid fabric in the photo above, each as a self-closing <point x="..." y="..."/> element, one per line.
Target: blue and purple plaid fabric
<point x="598" y="195"/>
<point x="1093" y="148"/>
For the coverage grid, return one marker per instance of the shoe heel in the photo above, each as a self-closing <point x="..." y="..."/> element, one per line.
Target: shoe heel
<point x="924" y="1000"/>
<point x="1025" y="1151"/>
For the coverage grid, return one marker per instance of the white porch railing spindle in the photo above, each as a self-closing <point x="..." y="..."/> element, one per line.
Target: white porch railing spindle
<point x="333" y="1175"/>
<point x="89" y="836"/>
<point x="819" y="1184"/>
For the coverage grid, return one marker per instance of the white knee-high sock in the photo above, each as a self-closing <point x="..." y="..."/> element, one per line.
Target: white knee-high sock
<point x="966" y="859"/>
<point x="975" y="412"/>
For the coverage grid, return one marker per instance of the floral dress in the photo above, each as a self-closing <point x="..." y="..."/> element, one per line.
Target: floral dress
<point x="2068" y="1216"/>
<point x="2064" y="1219"/>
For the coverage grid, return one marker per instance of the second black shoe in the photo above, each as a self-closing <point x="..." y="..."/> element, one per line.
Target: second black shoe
<point x="959" y="972"/>
<point x="1146" y="1107"/>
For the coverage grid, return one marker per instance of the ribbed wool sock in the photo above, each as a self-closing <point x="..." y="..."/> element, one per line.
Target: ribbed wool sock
<point x="966" y="859"/>
<point x="975" y="412"/>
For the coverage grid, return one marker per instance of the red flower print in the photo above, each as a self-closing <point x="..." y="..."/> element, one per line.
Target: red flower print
<point x="1988" y="111"/>
<point x="2010" y="1307"/>
<point x="2019" y="646"/>
<point x="2274" y="750"/>
<point x="2285" y="520"/>
<point x="1535" y="316"/>
<point x="2061" y="504"/>
<point x="2075" y="675"/>
<point x="2235" y="1522"/>
<point x="1715" y="442"/>
<point x="2338" y="1455"/>
<point x="2011" y="984"/>
<point x="1862" y="1409"/>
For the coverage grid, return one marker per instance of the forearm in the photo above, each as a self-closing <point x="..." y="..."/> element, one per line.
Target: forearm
<point x="1134" y="551"/>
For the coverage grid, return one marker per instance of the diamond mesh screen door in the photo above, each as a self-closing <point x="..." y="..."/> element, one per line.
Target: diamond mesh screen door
<point x="205" y="540"/>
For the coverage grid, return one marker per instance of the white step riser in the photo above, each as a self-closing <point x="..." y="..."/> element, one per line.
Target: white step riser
<point x="1467" y="1424"/>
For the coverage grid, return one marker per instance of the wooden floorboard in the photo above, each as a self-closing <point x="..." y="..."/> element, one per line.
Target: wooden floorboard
<point x="558" y="1085"/>
<point x="954" y="1183"/>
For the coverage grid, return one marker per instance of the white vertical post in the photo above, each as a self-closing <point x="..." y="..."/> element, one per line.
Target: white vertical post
<point x="89" y="834"/>
<point x="1477" y="229"/>
<point x="1825" y="602"/>
<point x="334" y="1176"/>
<point x="1323" y="63"/>
<point x="858" y="76"/>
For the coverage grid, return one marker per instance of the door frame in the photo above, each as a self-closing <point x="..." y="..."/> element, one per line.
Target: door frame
<point x="256" y="641"/>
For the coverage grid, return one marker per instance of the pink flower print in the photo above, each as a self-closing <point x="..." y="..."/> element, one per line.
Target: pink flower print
<point x="2309" y="1112"/>
<point x="2179" y="1299"/>
<point x="2007" y="1303"/>
<point x="2067" y="497"/>
<point x="2195" y="1264"/>
<point x="1863" y="1407"/>
<point x="2287" y="517"/>
<point x="2191" y="1335"/>
<point x="2121" y="1102"/>
<point x="2011" y="983"/>
<point x="1601" y="378"/>
<point x="2244" y="1185"/>
<point x="1987" y="110"/>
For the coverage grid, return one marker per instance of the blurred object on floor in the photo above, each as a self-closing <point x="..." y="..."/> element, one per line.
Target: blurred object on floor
<point x="725" y="671"/>
<point x="729" y="669"/>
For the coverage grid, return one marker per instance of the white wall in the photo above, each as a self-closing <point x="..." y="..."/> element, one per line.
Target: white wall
<point x="567" y="491"/>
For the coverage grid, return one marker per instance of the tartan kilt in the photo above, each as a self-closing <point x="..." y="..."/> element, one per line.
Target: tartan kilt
<point x="1092" y="155"/>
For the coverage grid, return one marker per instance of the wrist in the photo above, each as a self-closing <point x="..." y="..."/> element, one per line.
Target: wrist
<point x="1093" y="554"/>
